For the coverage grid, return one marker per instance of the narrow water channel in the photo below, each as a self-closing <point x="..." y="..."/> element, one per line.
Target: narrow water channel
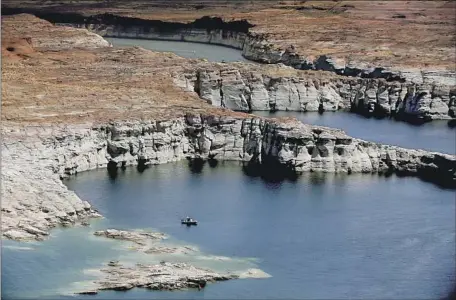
<point x="323" y="236"/>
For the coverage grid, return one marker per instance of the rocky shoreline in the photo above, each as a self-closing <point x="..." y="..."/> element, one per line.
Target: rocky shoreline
<point x="122" y="276"/>
<point x="53" y="129"/>
<point x="414" y="95"/>
<point x="291" y="145"/>
<point x="284" y="89"/>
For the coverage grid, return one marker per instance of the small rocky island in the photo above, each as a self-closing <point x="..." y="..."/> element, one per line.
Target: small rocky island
<point x="71" y="103"/>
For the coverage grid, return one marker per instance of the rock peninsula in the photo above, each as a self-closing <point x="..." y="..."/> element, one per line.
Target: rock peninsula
<point x="75" y="109"/>
<point x="72" y="103"/>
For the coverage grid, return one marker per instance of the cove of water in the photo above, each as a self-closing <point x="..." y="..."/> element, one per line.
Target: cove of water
<point x="185" y="49"/>
<point x="322" y="236"/>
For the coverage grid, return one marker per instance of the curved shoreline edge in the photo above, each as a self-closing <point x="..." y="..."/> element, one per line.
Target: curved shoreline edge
<point x="34" y="159"/>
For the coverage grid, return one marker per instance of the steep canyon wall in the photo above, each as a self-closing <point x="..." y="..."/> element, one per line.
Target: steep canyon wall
<point x="34" y="157"/>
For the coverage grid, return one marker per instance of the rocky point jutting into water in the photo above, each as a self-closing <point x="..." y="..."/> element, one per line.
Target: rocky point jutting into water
<point x="142" y="126"/>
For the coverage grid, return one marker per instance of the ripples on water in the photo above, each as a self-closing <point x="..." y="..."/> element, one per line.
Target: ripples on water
<point x="320" y="236"/>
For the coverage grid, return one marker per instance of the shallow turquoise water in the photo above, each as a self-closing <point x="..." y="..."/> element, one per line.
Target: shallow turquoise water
<point x="320" y="237"/>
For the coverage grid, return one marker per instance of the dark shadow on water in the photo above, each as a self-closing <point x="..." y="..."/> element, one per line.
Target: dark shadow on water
<point x="317" y="178"/>
<point x="451" y="295"/>
<point x="196" y="165"/>
<point x="272" y="173"/>
<point x="213" y="163"/>
<point x="112" y="170"/>
<point x="141" y="167"/>
<point x="452" y="123"/>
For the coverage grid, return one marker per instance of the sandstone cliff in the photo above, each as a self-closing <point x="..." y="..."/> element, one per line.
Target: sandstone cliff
<point x="72" y="110"/>
<point x="259" y="89"/>
<point x="412" y="95"/>
<point x="35" y="157"/>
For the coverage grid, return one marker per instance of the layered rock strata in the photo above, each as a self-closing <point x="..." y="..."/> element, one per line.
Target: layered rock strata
<point x="253" y="89"/>
<point x="163" y="276"/>
<point x="35" y="157"/>
<point x="411" y="94"/>
<point x="257" y="48"/>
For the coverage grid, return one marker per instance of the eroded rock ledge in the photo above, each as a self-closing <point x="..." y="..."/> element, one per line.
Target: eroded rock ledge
<point x="34" y="200"/>
<point x="122" y="276"/>
<point x="214" y="30"/>
<point x="256" y="89"/>
<point x="415" y="95"/>
<point x="163" y="276"/>
<point x="254" y="46"/>
<point x="427" y="95"/>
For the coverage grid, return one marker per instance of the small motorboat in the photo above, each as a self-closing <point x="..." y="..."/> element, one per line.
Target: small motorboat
<point x="189" y="221"/>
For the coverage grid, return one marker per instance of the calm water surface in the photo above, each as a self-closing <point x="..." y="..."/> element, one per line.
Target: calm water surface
<point x="320" y="237"/>
<point x="433" y="136"/>
<point x="184" y="49"/>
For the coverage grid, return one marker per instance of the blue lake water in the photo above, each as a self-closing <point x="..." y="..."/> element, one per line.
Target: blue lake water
<point x="433" y="136"/>
<point x="323" y="236"/>
<point x="319" y="237"/>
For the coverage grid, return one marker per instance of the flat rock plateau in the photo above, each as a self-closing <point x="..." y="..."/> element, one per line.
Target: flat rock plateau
<point x="72" y="103"/>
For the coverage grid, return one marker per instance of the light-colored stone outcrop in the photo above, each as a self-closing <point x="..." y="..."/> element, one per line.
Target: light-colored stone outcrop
<point x="35" y="200"/>
<point x="245" y="90"/>
<point x="215" y="37"/>
<point x="256" y="47"/>
<point x="138" y="237"/>
<point x="119" y="275"/>
<point x="163" y="276"/>
<point x="411" y="94"/>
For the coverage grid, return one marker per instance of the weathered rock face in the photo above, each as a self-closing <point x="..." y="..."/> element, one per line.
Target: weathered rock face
<point x="34" y="200"/>
<point x="69" y="37"/>
<point x="242" y="90"/>
<point x="412" y="95"/>
<point x="198" y="35"/>
<point x="164" y="276"/>
<point x="137" y="237"/>
<point x="256" y="47"/>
